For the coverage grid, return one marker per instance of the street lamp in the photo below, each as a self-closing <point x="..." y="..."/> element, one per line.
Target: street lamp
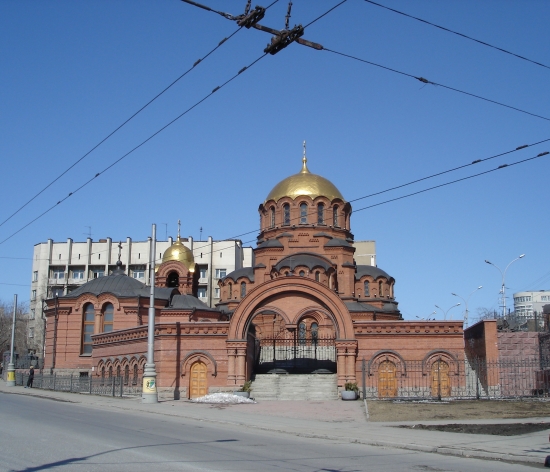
<point x="503" y="287"/>
<point x="466" y="303"/>
<point x="445" y="312"/>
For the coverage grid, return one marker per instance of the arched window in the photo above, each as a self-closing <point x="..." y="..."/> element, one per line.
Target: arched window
<point x="314" y="331"/>
<point x="230" y="290"/>
<point x="173" y="280"/>
<point x="303" y="213"/>
<point x="135" y="379"/>
<point x="321" y="214"/>
<point x="110" y="371"/>
<point x="335" y="216"/>
<point x="272" y="217"/>
<point x="88" y="328"/>
<point x="108" y="311"/>
<point x="302" y="333"/>
<point x="302" y="273"/>
<point x="243" y="289"/>
<point x="126" y="374"/>
<point x="103" y="376"/>
<point x="380" y="292"/>
<point x="286" y="214"/>
<point x="118" y="371"/>
<point x="366" y="288"/>
<point x="317" y="276"/>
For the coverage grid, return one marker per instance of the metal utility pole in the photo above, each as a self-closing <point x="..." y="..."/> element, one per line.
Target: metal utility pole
<point x="466" y="303"/>
<point x="11" y="365"/>
<point x="149" y="393"/>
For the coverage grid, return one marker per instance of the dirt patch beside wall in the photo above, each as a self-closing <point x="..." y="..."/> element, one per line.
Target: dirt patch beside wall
<point x="508" y="429"/>
<point x="457" y="410"/>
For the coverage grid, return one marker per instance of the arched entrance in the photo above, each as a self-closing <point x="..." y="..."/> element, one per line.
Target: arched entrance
<point x="198" y="384"/>
<point x="303" y="348"/>
<point x="441" y="385"/>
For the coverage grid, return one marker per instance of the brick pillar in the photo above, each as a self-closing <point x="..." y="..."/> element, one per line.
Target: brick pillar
<point x="241" y="365"/>
<point x="231" y="367"/>
<point x="350" y="361"/>
<point x="341" y="366"/>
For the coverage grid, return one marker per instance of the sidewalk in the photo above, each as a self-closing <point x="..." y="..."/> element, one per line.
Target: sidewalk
<point x="334" y="420"/>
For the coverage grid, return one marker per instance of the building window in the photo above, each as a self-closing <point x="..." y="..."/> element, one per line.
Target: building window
<point x="135" y="379"/>
<point x="317" y="276"/>
<point x="57" y="292"/>
<point x="126" y="374"/>
<point x="321" y="214"/>
<point x="78" y="274"/>
<point x="380" y="291"/>
<point x="302" y="333"/>
<point x="138" y="272"/>
<point x="286" y="214"/>
<point x="110" y="371"/>
<point x="335" y="216"/>
<point x="272" y="217"/>
<point x="203" y="273"/>
<point x="118" y="371"/>
<point x="302" y="273"/>
<point x="35" y="276"/>
<point x="108" y="312"/>
<point x="58" y="274"/>
<point x="221" y="273"/>
<point x="217" y="292"/>
<point x="98" y="273"/>
<point x="201" y="292"/>
<point x="303" y="213"/>
<point x="243" y="289"/>
<point x="33" y="295"/>
<point x="31" y="332"/>
<point x="33" y="313"/>
<point x="88" y="328"/>
<point x="103" y="376"/>
<point x="366" y="288"/>
<point x="314" y="331"/>
<point x="230" y="290"/>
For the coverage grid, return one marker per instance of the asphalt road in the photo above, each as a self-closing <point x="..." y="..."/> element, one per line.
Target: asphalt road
<point x="46" y="434"/>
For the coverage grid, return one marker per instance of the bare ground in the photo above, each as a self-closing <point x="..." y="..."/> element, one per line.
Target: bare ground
<point x="508" y="429"/>
<point x="457" y="410"/>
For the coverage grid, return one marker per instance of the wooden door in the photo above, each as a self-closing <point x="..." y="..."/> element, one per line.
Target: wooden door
<point x="198" y="386"/>
<point x="387" y="379"/>
<point x="441" y="383"/>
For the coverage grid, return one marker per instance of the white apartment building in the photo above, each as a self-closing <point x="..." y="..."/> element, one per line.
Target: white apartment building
<point x="60" y="267"/>
<point x="527" y="303"/>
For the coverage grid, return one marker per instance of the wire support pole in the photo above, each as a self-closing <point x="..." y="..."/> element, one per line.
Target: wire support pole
<point x="149" y="393"/>
<point x="503" y="284"/>
<point x="11" y="366"/>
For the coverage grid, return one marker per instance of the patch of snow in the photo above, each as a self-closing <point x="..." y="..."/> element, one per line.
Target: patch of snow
<point x="222" y="398"/>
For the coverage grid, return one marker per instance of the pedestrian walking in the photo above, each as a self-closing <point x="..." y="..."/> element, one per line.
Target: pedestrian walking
<point x="31" y="377"/>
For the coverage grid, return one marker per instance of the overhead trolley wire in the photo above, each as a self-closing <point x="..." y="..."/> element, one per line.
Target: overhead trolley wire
<point x="426" y="81"/>
<point x="118" y="128"/>
<point x="158" y="131"/>
<point x="458" y="34"/>
<point x="135" y="148"/>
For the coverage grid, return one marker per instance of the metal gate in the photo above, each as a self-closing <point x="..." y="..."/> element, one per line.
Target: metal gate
<point x="295" y="353"/>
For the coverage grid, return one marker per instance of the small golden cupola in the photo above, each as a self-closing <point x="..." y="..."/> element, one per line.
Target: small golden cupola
<point x="180" y="253"/>
<point x="304" y="183"/>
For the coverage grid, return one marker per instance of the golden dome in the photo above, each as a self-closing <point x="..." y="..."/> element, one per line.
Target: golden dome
<point x="179" y="252"/>
<point x="304" y="183"/>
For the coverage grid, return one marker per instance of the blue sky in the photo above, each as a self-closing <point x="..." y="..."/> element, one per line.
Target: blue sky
<point x="73" y="71"/>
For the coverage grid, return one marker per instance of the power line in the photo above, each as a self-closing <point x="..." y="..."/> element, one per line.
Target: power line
<point x="135" y="148"/>
<point x="458" y="34"/>
<point x="164" y="127"/>
<point x="426" y="81"/>
<point x="453" y="181"/>
<point x="118" y="128"/>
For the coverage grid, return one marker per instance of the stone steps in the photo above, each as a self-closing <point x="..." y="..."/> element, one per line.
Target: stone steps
<point x="313" y="387"/>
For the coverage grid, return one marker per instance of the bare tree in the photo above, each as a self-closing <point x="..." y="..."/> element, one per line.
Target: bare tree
<point x="21" y="344"/>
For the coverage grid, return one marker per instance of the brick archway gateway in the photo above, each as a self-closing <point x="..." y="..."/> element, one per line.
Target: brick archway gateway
<point x="288" y="287"/>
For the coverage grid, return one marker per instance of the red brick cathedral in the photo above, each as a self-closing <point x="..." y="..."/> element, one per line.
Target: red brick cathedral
<point x="305" y="307"/>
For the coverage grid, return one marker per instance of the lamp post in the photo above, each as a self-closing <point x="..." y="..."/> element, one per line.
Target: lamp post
<point x="503" y="287"/>
<point x="11" y="366"/>
<point x="466" y="303"/>
<point x="149" y="393"/>
<point x="445" y="312"/>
